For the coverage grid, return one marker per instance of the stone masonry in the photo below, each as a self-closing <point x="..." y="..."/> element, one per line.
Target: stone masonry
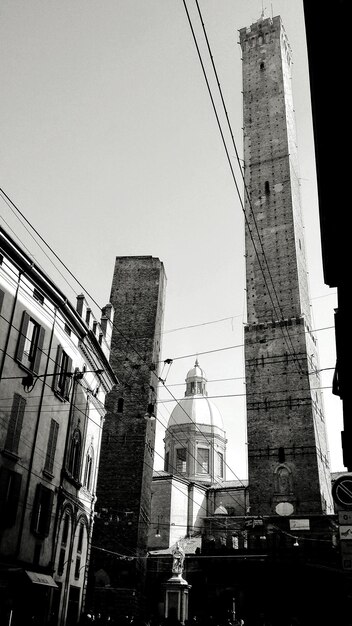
<point x="287" y="445"/>
<point x="127" y="452"/>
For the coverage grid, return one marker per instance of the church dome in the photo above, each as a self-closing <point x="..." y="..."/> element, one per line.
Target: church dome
<point x="195" y="372"/>
<point x="195" y="407"/>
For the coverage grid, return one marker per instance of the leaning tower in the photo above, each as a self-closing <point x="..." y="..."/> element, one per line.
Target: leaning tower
<point x="288" y="459"/>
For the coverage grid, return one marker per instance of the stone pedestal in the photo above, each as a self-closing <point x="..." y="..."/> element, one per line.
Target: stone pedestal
<point x="176" y="597"/>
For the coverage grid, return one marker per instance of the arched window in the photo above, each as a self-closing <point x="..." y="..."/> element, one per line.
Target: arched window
<point x="88" y="470"/>
<point x="75" y="454"/>
<point x="65" y="525"/>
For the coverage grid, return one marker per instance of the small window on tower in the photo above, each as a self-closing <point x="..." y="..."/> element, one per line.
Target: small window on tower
<point x="262" y="65"/>
<point x="267" y="187"/>
<point x="281" y="455"/>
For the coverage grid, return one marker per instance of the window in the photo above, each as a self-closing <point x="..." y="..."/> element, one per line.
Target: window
<point x="181" y="460"/>
<point x="262" y="66"/>
<point x="62" y="373"/>
<point x="74" y="460"/>
<point x="65" y="529"/>
<point x="166" y="462"/>
<point x="80" y="538"/>
<point x="2" y="294"/>
<point x="41" y="515"/>
<point x="281" y="455"/>
<point x="202" y="461"/>
<point x="30" y="343"/>
<point x="15" y="424"/>
<point x="62" y="555"/>
<point x="38" y="296"/>
<point x="220" y="467"/>
<point x="67" y="330"/>
<point x="267" y="187"/>
<point x="51" y="449"/>
<point x="88" y="472"/>
<point x="79" y="550"/>
<point x="10" y="486"/>
<point x="77" y="567"/>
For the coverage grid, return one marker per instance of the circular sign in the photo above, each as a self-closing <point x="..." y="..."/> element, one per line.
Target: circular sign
<point x="284" y="508"/>
<point x="342" y="491"/>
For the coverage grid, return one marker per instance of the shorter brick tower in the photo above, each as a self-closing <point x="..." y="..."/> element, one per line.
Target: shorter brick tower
<point x="127" y="451"/>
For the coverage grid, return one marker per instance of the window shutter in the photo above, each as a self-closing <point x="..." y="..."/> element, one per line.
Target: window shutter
<point x="22" y="336"/>
<point x="51" y="449"/>
<point x="57" y="367"/>
<point x="4" y="486"/>
<point x="41" y="514"/>
<point x="38" y="353"/>
<point x="48" y="508"/>
<point x="15" y="423"/>
<point x="14" y="494"/>
<point x="68" y="378"/>
<point x="35" y="511"/>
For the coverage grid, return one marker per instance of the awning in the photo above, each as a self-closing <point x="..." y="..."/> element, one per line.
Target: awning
<point x="41" y="579"/>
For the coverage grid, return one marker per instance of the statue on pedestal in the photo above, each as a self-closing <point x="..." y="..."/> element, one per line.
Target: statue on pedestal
<point x="178" y="559"/>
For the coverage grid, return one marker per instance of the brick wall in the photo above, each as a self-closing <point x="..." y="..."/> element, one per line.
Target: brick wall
<point x="126" y="467"/>
<point x="287" y="447"/>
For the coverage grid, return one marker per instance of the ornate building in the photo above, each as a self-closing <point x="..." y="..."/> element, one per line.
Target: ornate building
<point x="195" y="443"/>
<point x="193" y="485"/>
<point x="54" y="375"/>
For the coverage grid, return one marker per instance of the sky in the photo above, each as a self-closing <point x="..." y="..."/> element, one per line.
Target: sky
<point x="110" y="147"/>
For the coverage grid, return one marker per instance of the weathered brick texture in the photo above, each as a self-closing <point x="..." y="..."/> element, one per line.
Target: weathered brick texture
<point x="287" y="447"/>
<point x="127" y="452"/>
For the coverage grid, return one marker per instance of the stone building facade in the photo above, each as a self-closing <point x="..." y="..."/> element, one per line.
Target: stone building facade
<point x="54" y="374"/>
<point x="287" y="445"/>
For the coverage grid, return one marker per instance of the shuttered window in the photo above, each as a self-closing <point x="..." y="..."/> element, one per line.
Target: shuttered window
<point x="10" y="487"/>
<point x="30" y="343"/>
<point x="41" y="514"/>
<point x="62" y="373"/>
<point x="51" y="449"/>
<point x="15" y="424"/>
<point x="220" y="463"/>
<point x="202" y="461"/>
<point x="181" y="460"/>
<point x="166" y="463"/>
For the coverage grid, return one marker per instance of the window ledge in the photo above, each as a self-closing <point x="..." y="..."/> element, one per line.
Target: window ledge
<point x="60" y="397"/>
<point x="10" y="455"/>
<point x="71" y="479"/>
<point x="48" y="474"/>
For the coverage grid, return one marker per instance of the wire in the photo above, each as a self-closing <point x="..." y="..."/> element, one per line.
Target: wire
<point x="128" y="342"/>
<point x="237" y="188"/>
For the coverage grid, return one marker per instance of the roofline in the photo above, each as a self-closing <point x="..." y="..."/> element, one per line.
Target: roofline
<point x="33" y="271"/>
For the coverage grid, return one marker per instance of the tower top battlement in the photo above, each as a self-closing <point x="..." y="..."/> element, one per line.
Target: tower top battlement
<point x="264" y="31"/>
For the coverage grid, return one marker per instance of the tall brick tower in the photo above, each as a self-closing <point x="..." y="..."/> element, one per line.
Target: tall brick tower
<point x="287" y="447"/>
<point x="127" y="451"/>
